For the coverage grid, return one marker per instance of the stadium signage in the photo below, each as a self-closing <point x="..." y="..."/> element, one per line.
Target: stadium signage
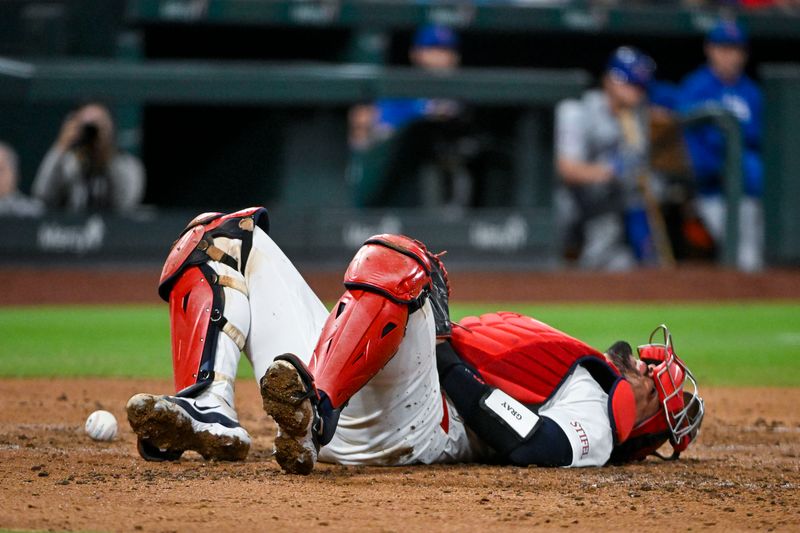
<point x="355" y="233"/>
<point x="508" y="236"/>
<point x="79" y="239"/>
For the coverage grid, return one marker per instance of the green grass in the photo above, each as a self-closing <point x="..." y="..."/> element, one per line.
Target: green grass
<point x="85" y="341"/>
<point x="724" y="344"/>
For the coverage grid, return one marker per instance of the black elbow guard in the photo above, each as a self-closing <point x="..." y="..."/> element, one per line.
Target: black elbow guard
<point x="497" y="418"/>
<point x="511" y="428"/>
<point x="550" y="446"/>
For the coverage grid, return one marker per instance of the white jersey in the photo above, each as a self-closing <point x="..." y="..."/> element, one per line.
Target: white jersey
<point x="401" y="416"/>
<point x="580" y="408"/>
<point x="588" y="131"/>
<point x="713" y="211"/>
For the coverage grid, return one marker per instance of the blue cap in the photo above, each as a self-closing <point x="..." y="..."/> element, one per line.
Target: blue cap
<point x="727" y="32"/>
<point x="437" y="36"/>
<point x="631" y="65"/>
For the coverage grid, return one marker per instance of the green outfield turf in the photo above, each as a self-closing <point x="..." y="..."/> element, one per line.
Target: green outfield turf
<point x="724" y="344"/>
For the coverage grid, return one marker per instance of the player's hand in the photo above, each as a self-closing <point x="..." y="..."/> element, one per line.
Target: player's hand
<point x="70" y="130"/>
<point x="626" y="165"/>
<point x="441" y="108"/>
<point x="362" y="119"/>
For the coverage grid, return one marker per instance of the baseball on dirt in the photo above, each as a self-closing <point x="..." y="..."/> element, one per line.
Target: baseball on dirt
<point x="101" y="425"/>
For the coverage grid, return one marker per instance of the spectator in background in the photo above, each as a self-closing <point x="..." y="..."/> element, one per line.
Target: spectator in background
<point x="602" y="145"/>
<point x="434" y="49"/>
<point x="444" y="179"/>
<point x="85" y="170"/>
<point x="722" y="82"/>
<point x="12" y="201"/>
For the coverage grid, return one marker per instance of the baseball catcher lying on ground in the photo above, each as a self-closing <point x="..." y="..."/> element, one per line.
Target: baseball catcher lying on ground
<point x="385" y="378"/>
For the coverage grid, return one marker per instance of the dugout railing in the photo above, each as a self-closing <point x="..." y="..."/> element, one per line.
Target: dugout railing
<point x="31" y="86"/>
<point x="521" y="234"/>
<point x="728" y="124"/>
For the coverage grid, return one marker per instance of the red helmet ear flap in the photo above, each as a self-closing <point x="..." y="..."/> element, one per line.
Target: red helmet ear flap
<point x="657" y="352"/>
<point x="653" y="354"/>
<point x="669" y="378"/>
<point x="623" y="409"/>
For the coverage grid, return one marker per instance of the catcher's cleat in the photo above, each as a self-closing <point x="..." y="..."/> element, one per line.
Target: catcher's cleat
<point x="289" y="396"/>
<point x="167" y="426"/>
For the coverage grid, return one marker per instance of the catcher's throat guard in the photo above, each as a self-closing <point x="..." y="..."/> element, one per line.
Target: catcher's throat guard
<point x="681" y="407"/>
<point x="390" y="277"/>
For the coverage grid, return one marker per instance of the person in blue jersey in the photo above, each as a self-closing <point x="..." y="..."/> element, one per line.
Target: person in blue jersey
<point x="434" y="49"/>
<point x="722" y="82"/>
<point x="443" y="177"/>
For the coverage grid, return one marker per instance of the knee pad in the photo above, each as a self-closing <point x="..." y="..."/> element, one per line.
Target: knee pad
<point x="196" y="246"/>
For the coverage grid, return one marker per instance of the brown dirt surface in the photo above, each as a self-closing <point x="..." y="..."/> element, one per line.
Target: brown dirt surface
<point x="743" y="473"/>
<point x="36" y="286"/>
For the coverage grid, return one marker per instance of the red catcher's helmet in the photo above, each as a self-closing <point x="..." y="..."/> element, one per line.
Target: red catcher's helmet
<point x="682" y="408"/>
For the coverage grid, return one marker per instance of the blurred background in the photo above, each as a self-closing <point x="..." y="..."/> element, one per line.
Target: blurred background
<point x="517" y="135"/>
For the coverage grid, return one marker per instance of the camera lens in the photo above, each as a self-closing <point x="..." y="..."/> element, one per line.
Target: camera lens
<point x="90" y="132"/>
<point x="88" y="135"/>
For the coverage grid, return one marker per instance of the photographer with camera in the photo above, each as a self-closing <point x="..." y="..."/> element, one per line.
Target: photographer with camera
<point x="85" y="170"/>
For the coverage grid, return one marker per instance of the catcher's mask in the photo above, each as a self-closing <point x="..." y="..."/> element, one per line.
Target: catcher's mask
<point x="681" y="410"/>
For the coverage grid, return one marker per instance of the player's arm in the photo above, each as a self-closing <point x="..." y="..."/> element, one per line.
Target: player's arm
<point x="50" y="183"/>
<point x="127" y="182"/>
<point x="579" y="173"/>
<point x="696" y="92"/>
<point x="516" y="433"/>
<point x="570" y="148"/>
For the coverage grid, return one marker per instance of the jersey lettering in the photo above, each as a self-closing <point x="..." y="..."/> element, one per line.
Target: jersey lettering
<point x="582" y="436"/>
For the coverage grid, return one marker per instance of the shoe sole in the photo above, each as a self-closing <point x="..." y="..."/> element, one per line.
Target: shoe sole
<point x="283" y="394"/>
<point x="165" y="428"/>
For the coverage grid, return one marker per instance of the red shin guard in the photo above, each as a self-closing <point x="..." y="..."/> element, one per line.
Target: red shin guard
<point x="387" y="280"/>
<point x="358" y="339"/>
<point x="195" y="292"/>
<point x="193" y="304"/>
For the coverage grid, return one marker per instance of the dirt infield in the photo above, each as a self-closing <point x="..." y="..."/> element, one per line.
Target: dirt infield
<point x="744" y="473"/>
<point x="36" y="286"/>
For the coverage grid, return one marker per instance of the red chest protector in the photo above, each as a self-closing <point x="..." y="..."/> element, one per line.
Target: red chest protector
<point x="529" y="360"/>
